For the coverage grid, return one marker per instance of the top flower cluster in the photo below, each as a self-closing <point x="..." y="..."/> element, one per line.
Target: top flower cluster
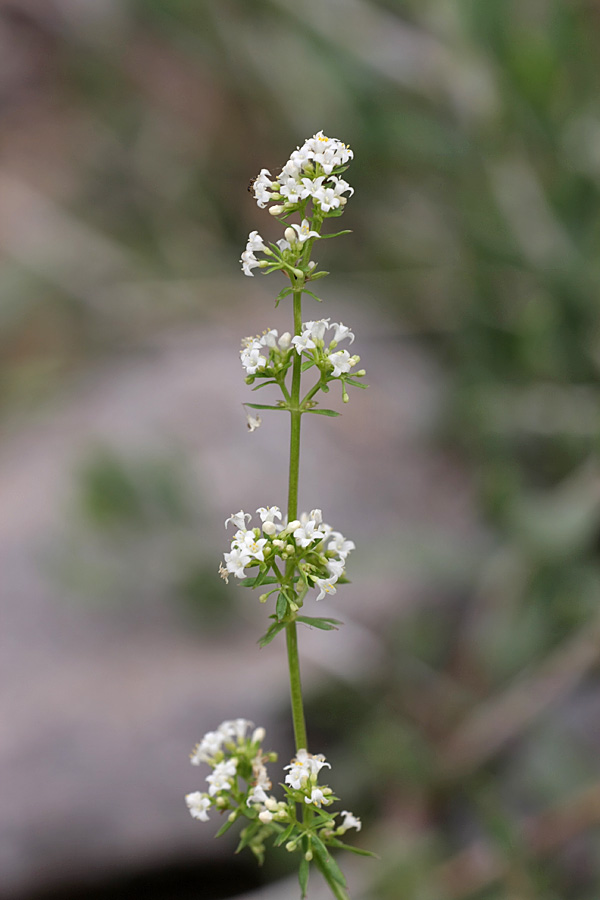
<point x="311" y="171"/>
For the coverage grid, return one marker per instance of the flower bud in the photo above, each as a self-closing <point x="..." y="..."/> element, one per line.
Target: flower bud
<point x="290" y="235"/>
<point x="269" y="528"/>
<point x="361" y="372"/>
<point x="263" y="264"/>
<point x="232" y="816"/>
<point x="265" y="817"/>
<point x="279" y="544"/>
<point x="345" y="397"/>
<point x="263" y="598"/>
<point x="308" y="855"/>
<point x="258" y="735"/>
<point x="343" y="201"/>
<point x="285" y="340"/>
<point x="311" y="264"/>
<point x="354" y="359"/>
<point x="293" y="525"/>
<point x="276" y="210"/>
<point x="290" y="846"/>
<point x="290" y="549"/>
<point x="298" y="273"/>
<point x="271" y="803"/>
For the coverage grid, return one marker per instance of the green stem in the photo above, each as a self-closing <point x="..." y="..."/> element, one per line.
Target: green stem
<point x="291" y="630"/>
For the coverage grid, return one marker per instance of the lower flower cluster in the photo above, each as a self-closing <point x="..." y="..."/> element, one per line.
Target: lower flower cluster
<point x="238" y="783"/>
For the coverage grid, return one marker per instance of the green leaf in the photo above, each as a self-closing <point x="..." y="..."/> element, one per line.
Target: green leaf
<point x="337" y="234"/>
<point x="324" y="624"/>
<point x="285" y="835"/>
<point x="306" y="365"/>
<point x="305" y="291"/>
<point x="321" y="274"/>
<point x="272" y="632"/>
<point x="247" y="835"/>
<point x="334" y="842"/>
<point x="322" y="412"/>
<point x="283" y="293"/>
<point x="225" y="827"/>
<point x="356" y="383"/>
<point x="328" y="861"/>
<point x="250" y="582"/>
<point x="263" y="406"/>
<point x="261" y="578"/>
<point x="334" y="212"/>
<point x="303" y="876"/>
<point x="264" y="384"/>
<point x="281" y="608"/>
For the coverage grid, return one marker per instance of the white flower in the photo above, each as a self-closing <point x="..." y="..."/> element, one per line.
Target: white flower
<point x="252" y="546"/>
<point x="341" y="362"/>
<point x="198" y="804"/>
<point x="269" y="513"/>
<point x="326" y="586"/>
<point x="317" y="329"/>
<point x="307" y="533"/>
<point x="253" y="422"/>
<point x="294" y="190"/>
<point x="285" y="341"/>
<point x="269" y="338"/>
<point x="260" y="185"/>
<point x="326" y="198"/>
<point x="341" y="332"/>
<point x="316" y="516"/>
<point x="236" y="561"/>
<point x="235" y="728"/>
<point x="303" y="342"/>
<point x="335" y="568"/>
<point x="283" y="244"/>
<point x="238" y="519"/>
<point x="340" y="186"/>
<point x="257" y="795"/>
<point x="339" y="543"/>
<point x="255" y="242"/>
<point x="350" y="821"/>
<point x="303" y="231"/>
<point x="316" y="796"/>
<point x="303" y="767"/>
<point x="251" y="358"/>
<point x="265" y="816"/>
<point x="208" y="747"/>
<point x="219" y="777"/>
<point x="249" y="262"/>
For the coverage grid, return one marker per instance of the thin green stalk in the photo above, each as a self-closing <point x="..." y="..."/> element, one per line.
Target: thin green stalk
<point x="290" y="630"/>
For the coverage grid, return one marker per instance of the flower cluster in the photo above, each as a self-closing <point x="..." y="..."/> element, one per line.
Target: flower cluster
<point x="239" y="782"/>
<point x="277" y="358"/>
<point x="311" y="546"/>
<point x="311" y="341"/>
<point x="311" y="171"/>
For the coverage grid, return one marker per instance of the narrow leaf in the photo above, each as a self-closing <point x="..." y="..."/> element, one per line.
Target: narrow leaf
<point x="321" y="274"/>
<point x="306" y="365"/>
<point x="283" y="293"/>
<point x="324" y="624"/>
<point x="356" y="383"/>
<point x="250" y="582"/>
<point x="263" y="406"/>
<point x="281" y="608"/>
<point x="337" y="234"/>
<point x="322" y="412"/>
<point x="328" y="861"/>
<point x="334" y="842"/>
<point x="264" y="384"/>
<point x="285" y="835"/>
<point x="223" y="828"/>
<point x="270" y="634"/>
<point x="314" y="296"/>
<point x="303" y="876"/>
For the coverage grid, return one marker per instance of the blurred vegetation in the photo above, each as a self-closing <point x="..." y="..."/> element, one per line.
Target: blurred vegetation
<point x="134" y="128"/>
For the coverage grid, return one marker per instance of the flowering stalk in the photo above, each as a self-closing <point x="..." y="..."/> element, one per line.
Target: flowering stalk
<point x="294" y="555"/>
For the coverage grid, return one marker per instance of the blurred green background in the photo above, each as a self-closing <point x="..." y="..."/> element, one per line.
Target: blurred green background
<point x="130" y="130"/>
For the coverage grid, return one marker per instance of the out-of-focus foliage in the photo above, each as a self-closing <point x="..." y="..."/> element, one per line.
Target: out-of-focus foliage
<point x="131" y="131"/>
